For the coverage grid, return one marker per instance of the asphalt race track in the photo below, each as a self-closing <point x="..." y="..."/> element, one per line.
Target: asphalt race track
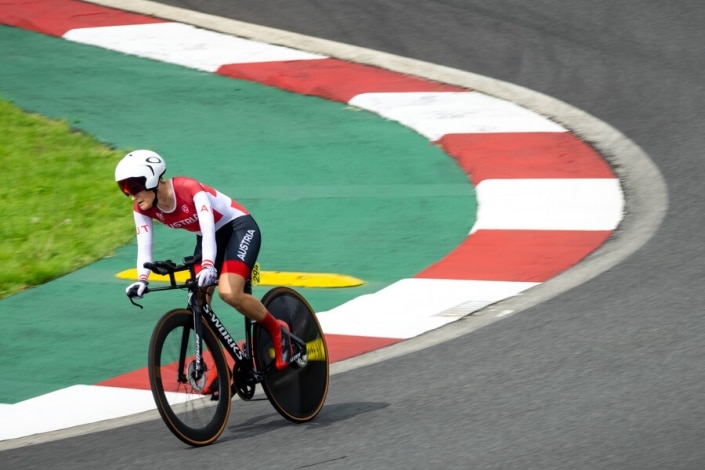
<point x="608" y="374"/>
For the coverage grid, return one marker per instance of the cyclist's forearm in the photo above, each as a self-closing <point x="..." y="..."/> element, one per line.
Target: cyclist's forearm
<point x="144" y="244"/>
<point x="206" y="222"/>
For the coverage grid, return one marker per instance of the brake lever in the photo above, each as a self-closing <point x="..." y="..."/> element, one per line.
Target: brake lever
<point x="132" y="298"/>
<point x="132" y="301"/>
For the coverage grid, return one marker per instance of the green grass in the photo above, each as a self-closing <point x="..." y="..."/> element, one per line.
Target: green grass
<point x="60" y="205"/>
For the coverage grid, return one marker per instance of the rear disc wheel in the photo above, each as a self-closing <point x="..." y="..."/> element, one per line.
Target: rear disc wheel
<point x="299" y="391"/>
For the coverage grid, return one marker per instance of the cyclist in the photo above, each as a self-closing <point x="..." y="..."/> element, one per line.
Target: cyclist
<point x="227" y="237"/>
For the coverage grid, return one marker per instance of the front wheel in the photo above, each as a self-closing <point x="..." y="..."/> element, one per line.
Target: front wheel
<point x="191" y="411"/>
<point x="299" y="391"/>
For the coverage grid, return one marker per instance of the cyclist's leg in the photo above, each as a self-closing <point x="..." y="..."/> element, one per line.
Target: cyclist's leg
<point x="223" y="238"/>
<point x="239" y="255"/>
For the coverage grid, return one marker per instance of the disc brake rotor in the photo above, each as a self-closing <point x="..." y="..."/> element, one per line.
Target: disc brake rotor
<point x="196" y="385"/>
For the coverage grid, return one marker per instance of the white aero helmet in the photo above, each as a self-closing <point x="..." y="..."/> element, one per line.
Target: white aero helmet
<point x="140" y="166"/>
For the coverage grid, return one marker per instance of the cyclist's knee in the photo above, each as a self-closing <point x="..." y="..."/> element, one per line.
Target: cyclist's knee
<point x="234" y="299"/>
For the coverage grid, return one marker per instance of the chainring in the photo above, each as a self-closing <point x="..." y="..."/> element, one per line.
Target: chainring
<point x="243" y="384"/>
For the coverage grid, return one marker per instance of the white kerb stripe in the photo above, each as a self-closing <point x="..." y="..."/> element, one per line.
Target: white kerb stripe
<point x="185" y="45"/>
<point x="549" y="204"/>
<point x="411" y="307"/>
<point x="437" y="114"/>
<point x="72" y="406"/>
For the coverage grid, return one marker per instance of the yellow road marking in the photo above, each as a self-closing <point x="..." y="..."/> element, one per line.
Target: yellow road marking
<point x="269" y="278"/>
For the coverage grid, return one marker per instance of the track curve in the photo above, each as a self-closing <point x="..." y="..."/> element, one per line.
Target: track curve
<point x="606" y="375"/>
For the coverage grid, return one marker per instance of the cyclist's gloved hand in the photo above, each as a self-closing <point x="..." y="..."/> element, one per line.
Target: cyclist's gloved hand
<point x="136" y="289"/>
<point x="207" y="277"/>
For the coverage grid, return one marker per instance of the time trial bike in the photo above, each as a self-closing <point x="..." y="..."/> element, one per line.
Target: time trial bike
<point x="188" y="345"/>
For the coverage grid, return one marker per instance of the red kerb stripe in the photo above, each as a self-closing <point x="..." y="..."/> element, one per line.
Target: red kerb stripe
<point x="56" y="17"/>
<point x="524" y="155"/>
<point x="340" y="347"/>
<point x="332" y="79"/>
<point x="516" y="255"/>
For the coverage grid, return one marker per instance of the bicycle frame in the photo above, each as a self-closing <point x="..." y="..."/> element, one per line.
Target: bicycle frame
<point x="242" y="358"/>
<point x="201" y="309"/>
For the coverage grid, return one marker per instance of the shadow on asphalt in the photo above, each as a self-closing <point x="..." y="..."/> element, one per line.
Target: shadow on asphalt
<point x="330" y="414"/>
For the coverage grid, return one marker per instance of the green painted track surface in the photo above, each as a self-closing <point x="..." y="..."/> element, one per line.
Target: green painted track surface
<point x="335" y="189"/>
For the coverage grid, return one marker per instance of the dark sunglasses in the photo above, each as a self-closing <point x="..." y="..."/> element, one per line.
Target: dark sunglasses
<point x="132" y="186"/>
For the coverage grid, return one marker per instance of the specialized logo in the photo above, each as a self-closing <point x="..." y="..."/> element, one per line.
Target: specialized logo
<point x="245" y="245"/>
<point x="215" y="321"/>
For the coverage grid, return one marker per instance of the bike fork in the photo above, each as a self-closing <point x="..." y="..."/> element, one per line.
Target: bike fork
<point x="198" y="344"/>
